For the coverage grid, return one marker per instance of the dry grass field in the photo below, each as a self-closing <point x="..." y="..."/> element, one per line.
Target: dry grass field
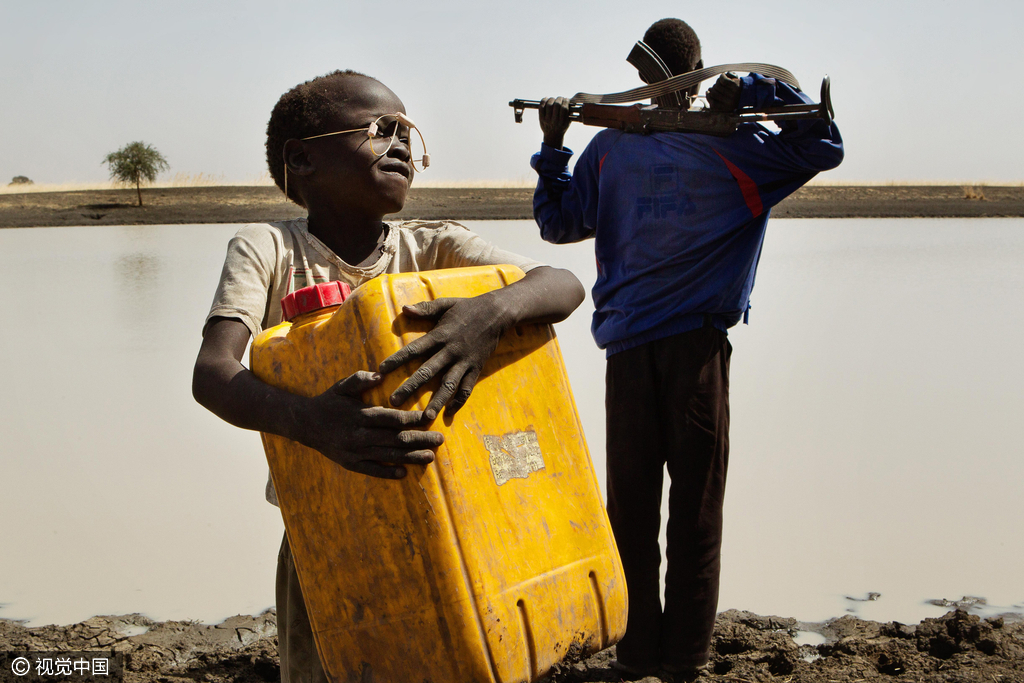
<point x="204" y="199"/>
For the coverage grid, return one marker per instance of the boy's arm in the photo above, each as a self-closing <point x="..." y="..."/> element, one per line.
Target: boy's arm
<point x="468" y="331"/>
<point x="367" y="439"/>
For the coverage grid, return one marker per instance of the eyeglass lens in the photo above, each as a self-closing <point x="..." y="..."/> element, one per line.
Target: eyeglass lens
<point x="388" y="130"/>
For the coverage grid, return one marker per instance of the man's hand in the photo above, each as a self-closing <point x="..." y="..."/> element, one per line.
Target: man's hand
<point x="367" y="439"/>
<point x="724" y="95"/>
<point x="554" y="120"/>
<point x="466" y="334"/>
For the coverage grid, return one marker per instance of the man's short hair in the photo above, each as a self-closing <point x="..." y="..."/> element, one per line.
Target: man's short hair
<point x="305" y="110"/>
<point x="676" y="43"/>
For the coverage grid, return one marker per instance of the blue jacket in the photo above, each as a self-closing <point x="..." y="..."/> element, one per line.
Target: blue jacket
<point x="678" y="218"/>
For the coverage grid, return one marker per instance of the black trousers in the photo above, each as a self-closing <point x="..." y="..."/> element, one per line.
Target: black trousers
<point x="667" y="403"/>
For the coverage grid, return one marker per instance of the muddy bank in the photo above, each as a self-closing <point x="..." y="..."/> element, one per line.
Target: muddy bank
<point x="902" y="201"/>
<point x="253" y="204"/>
<point x="747" y="647"/>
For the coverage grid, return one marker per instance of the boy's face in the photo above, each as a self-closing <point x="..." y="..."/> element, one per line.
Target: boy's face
<point x="347" y="167"/>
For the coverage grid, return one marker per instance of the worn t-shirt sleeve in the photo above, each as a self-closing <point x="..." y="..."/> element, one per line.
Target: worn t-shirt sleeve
<point x="455" y="246"/>
<point x="247" y="278"/>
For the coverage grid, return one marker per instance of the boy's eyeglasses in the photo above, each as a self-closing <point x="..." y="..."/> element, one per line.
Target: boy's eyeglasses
<point x="384" y="131"/>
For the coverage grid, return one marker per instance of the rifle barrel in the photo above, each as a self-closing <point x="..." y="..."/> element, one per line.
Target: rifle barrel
<point x="614" y="116"/>
<point x="518" y="106"/>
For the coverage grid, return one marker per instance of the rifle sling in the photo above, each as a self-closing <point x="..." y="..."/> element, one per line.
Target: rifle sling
<point x="684" y="81"/>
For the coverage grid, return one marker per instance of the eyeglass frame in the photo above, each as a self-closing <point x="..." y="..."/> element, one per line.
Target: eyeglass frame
<point x="371" y="132"/>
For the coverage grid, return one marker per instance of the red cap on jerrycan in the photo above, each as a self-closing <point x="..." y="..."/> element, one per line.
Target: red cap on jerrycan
<point x="313" y="298"/>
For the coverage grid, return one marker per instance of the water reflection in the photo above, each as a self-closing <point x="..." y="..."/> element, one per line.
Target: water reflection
<point x="874" y="397"/>
<point x="138" y="273"/>
<point x="137" y="278"/>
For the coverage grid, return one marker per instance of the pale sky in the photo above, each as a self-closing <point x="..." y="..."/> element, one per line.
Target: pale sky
<point x="923" y="90"/>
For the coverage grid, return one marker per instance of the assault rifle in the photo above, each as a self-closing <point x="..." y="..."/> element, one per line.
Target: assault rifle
<point x="651" y="118"/>
<point x="669" y="112"/>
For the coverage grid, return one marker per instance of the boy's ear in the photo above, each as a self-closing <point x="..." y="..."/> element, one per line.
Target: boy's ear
<point x="296" y="159"/>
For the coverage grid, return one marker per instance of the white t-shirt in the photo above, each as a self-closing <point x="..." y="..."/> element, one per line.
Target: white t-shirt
<point x="267" y="261"/>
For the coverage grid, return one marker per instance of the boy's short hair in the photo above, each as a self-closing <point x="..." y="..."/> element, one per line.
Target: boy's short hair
<point x="676" y="43"/>
<point x="303" y="111"/>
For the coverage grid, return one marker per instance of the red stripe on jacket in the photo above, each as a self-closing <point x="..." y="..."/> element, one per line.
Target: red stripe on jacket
<point x="747" y="186"/>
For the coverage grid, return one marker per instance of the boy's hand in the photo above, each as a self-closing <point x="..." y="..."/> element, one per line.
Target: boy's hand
<point x="367" y="439"/>
<point x="554" y="120"/>
<point x="464" y="338"/>
<point x="724" y="95"/>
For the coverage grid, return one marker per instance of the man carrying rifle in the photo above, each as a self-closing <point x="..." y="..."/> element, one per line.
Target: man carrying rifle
<point x="678" y="221"/>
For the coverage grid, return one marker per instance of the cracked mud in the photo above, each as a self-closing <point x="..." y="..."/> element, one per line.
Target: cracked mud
<point x="958" y="647"/>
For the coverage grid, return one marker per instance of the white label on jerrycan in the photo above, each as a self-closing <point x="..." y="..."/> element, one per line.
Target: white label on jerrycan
<point x="514" y="455"/>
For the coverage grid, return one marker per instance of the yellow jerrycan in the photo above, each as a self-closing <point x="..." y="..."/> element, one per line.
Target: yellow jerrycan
<point x="494" y="563"/>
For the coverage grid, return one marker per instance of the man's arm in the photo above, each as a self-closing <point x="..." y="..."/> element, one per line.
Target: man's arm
<point x="802" y="145"/>
<point x="367" y="439"/>
<point x="468" y="331"/>
<point x="564" y="204"/>
<point x="777" y="163"/>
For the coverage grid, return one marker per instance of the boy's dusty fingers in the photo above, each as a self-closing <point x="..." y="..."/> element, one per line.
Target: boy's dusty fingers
<point x="395" y="444"/>
<point x="398" y="456"/>
<point x="422" y="441"/>
<point x="431" y="310"/>
<point x="356" y="383"/>
<point x="449" y="386"/>
<point x="386" y="463"/>
<point x="416" y="347"/>
<point x="391" y="418"/>
<point x="423" y="374"/>
<point x="465" y="389"/>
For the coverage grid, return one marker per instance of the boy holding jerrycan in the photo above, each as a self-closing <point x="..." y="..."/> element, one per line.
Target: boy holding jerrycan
<point x="341" y="146"/>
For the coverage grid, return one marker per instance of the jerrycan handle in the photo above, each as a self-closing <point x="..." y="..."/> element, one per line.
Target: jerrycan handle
<point x="313" y="298"/>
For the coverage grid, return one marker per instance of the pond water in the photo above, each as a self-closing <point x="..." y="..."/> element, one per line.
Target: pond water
<point x="876" y="396"/>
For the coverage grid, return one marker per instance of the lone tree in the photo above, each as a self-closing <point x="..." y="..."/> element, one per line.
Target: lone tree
<point x="134" y="164"/>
